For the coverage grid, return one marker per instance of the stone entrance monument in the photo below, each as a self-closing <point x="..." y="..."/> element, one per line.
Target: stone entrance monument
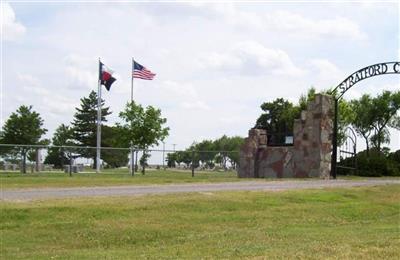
<point x="310" y="155"/>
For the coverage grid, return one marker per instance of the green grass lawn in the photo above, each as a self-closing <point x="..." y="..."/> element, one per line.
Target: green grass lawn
<point x="109" y="177"/>
<point x="356" y="223"/>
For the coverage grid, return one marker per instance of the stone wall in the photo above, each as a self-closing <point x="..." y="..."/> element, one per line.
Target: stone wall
<point x="310" y="155"/>
<point x="276" y="162"/>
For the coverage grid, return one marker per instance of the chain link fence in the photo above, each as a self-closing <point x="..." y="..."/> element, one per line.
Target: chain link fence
<point x="79" y="159"/>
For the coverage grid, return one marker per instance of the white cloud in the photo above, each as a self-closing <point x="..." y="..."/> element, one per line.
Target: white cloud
<point x="234" y="16"/>
<point x="233" y="119"/>
<point x="50" y="102"/>
<point x="33" y="86"/>
<point x="28" y="80"/>
<point x="198" y="105"/>
<point x="58" y="105"/>
<point x="179" y="89"/>
<point x="338" y="27"/>
<point x="182" y="93"/>
<point x="251" y="58"/>
<point x="285" y="21"/>
<point x="326" y="71"/>
<point x="12" y="30"/>
<point x="80" y="71"/>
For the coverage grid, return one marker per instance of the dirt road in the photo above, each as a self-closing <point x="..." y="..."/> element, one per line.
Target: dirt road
<point x="51" y="193"/>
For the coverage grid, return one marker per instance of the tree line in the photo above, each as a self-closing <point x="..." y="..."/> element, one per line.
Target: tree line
<point x="139" y="127"/>
<point x="208" y="154"/>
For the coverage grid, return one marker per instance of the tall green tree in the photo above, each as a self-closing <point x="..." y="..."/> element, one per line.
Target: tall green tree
<point x="84" y="124"/>
<point x="184" y="157"/>
<point x="362" y="119"/>
<point x="172" y="159"/>
<point x="228" y="148"/>
<point x="384" y="114"/>
<point x="235" y="143"/>
<point x="372" y="117"/>
<point x="207" y="152"/>
<point x="141" y="127"/>
<point x="278" y="119"/>
<point x="112" y="157"/>
<point x="24" y="126"/>
<point x="63" y="136"/>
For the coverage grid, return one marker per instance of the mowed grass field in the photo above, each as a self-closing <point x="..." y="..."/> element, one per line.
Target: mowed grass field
<point x="352" y="223"/>
<point x="110" y="177"/>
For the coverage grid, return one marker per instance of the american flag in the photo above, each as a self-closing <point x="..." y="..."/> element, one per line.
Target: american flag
<point x="141" y="72"/>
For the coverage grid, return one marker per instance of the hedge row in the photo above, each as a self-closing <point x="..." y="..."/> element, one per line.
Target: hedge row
<point x="372" y="164"/>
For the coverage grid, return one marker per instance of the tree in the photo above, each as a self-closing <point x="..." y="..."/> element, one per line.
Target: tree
<point x="141" y="127"/>
<point x="63" y="136"/>
<point x="384" y="114"/>
<point x="372" y="117"/>
<point x="112" y="157"/>
<point x="185" y="157"/>
<point x="346" y="115"/>
<point x="228" y="148"/>
<point x="208" y="152"/>
<point x="84" y="124"/>
<point x="143" y="160"/>
<point x="24" y="126"/>
<point x="172" y="160"/>
<point x="305" y="99"/>
<point x="278" y="119"/>
<point x="235" y="143"/>
<point x="362" y="120"/>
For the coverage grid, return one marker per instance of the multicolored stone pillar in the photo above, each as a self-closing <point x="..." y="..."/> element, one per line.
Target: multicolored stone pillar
<point x="248" y="163"/>
<point x="313" y="139"/>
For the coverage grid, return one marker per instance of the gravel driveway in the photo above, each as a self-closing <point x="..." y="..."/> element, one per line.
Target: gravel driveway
<point x="50" y="193"/>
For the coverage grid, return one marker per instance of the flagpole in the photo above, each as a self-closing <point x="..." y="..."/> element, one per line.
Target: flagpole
<point x="98" y="121"/>
<point x="132" y="168"/>
<point x="133" y="64"/>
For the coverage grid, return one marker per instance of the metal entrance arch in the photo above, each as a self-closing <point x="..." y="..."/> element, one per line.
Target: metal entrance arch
<point x="364" y="73"/>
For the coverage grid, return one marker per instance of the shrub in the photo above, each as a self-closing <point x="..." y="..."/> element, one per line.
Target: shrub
<point x="395" y="156"/>
<point x="374" y="164"/>
<point x="393" y="168"/>
<point x="347" y="162"/>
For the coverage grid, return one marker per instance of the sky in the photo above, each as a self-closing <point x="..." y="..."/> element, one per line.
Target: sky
<point x="216" y="63"/>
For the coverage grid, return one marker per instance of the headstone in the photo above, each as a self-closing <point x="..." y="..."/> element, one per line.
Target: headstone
<point x="66" y="168"/>
<point x="80" y="167"/>
<point x="7" y="167"/>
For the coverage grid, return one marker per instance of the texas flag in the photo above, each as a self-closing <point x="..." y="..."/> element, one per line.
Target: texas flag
<point x="105" y="76"/>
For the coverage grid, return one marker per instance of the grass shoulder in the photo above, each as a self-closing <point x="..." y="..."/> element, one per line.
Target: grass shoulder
<point x="16" y="180"/>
